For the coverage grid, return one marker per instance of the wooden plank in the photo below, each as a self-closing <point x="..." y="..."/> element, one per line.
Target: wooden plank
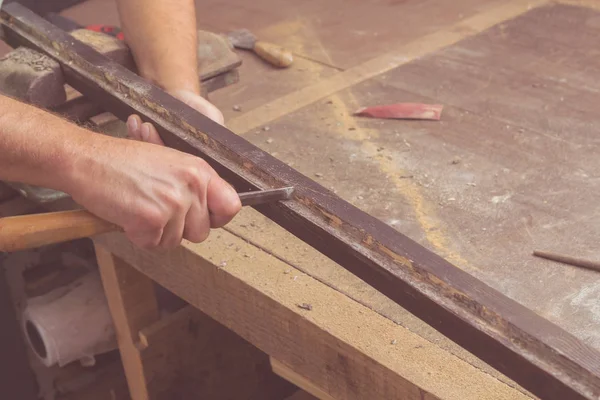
<point x="410" y="51"/>
<point x="342" y="347"/>
<point x="290" y="375"/>
<point x="133" y="306"/>
<point x="537" y="354"/>
<point x="183" y="355"/>
<point x="189" y="355"/>
<point x="525" y="136"/>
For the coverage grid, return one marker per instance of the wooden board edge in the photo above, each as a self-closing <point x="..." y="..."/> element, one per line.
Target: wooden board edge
<point x="536" y="353"/>
<point x="249" y="296"/>
<point x="293" y="377"/>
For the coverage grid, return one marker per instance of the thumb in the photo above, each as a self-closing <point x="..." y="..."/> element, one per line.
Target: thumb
<point x="222" y="201"/>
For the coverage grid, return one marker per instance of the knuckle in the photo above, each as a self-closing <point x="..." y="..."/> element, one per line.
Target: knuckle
<point x="202" y="164"/>
<point x="144" y="242"/>
<point x="197" y="174"/>
<point x="174" y="200"/>
<point x="154" y="218"/>
<point x="149" y="245"/>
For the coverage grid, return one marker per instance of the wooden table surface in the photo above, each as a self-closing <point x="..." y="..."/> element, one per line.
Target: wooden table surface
<point x="511" y="167"/>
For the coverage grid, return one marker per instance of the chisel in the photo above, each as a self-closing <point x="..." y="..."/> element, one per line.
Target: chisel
<point x="275" y="55"/>
<point x="31" y="231"/>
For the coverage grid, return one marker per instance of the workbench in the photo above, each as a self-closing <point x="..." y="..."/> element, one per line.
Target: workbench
<point x="511" y="167"/>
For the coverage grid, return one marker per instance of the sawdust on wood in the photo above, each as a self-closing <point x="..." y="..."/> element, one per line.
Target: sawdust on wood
<point x="412" y="357"/>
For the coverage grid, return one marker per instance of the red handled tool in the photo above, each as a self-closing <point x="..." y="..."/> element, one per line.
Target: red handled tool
<point x="107" y="29"/>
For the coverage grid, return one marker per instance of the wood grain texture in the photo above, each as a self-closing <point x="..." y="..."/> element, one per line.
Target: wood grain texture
<point x="537" y="354"/>
<point x="30" y="231"/>
<point x="133" y="306"/>
<point x="407" y="51"/>
<point x="19" y="233"/>
<point x="290" y="375"/>
<point x="521" y="122"/>
<point x="190" y="356"/>
<point x="344" y="348"/>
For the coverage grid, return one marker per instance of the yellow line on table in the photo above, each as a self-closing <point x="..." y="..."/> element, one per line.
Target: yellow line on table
<point x="379" y="65"/>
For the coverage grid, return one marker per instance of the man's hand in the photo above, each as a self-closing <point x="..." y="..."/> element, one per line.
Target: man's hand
<point x="163" y="39"/>
<point x="156" y="194"/>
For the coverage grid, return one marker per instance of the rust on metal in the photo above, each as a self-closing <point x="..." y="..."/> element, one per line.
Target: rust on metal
<point x="543" y="358"/>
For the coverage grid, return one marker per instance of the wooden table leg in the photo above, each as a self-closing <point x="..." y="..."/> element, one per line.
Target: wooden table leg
<point x="133" y="305"/>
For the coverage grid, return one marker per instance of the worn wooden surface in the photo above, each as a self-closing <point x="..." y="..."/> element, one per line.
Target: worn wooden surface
<point x="182" y="355"/>
<point x="344" y="348"/>
<point x="435" y="192"/>
<point x="411" y="204"/>
<point x="494" y="327"/>
<point x="189" y="355"/>
<point x="336" y="34"/>
<point x="532" y="86"/>
<point x="133" y="306"/>
<point x="511" y="166"/>
<point x="292" y="376"/>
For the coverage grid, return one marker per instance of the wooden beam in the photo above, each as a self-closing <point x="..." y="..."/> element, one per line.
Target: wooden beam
<point x="183" y="355"/>
<point x="191" y="356"/>
<point x="292" y="376"/>
<point x="133" y="306"/>
<point x="539" y="355"/>
<point x="340" y="346"/>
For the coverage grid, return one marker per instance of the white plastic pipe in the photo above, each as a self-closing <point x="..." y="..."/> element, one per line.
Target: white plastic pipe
<point x="70" y="323"/>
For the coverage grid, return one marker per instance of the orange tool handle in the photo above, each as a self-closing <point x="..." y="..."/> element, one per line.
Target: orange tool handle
<point x="275" y="55"/>
<point x="30" y="231"/>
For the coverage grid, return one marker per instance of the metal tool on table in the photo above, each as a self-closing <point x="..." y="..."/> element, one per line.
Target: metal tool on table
<point x="574" y="261"/>
<point x="275" y="55"/>
<point x="36" y="230"/>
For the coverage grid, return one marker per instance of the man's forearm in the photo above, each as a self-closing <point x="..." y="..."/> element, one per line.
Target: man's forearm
<point x="163" y="39"/>
<point x="36" y="147"/>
